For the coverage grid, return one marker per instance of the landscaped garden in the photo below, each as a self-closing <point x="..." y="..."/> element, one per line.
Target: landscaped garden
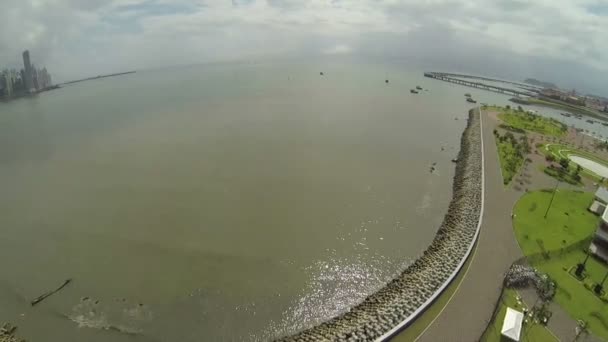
<point x="520" y="119"/>
<point x="559" y="153"/>
<point x="511" y="152"/>
<point x="555" y="242"/>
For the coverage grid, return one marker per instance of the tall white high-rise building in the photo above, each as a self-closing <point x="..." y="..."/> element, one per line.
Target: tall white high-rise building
<point x="9" y="81"/>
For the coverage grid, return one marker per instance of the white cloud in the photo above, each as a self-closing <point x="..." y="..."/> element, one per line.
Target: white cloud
<point x="76" y="37"/>
<point x="338" y="50"/>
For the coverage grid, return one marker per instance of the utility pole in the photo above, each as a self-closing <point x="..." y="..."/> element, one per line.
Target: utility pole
<point x="580" y="268"/>
<point x="599" y="287"/>
<point x="552" y="197"/>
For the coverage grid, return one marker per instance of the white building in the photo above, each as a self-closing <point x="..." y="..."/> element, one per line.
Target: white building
<point x="599" y="245"/>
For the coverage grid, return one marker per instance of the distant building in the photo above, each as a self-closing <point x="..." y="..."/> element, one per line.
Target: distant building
<point x="28" y="74"/>
<point x="599" y="244"/>
<point x="8" y="79"/>
<point x="35" y="82"/>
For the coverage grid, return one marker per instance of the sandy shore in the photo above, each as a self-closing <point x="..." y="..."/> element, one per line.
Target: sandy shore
<point x="401" y="299"/>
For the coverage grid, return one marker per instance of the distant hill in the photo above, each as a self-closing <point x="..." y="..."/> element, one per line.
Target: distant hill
<point x="543" y="84"/>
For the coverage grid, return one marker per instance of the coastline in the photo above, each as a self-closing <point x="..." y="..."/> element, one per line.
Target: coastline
<point x="399" y="302"/>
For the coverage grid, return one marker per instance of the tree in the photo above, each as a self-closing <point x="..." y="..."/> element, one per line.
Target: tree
<point x="550" y="158"/>
<point x="508" y="107"/>
<point x="519" y="109"/>
<point x="564" y="162"/>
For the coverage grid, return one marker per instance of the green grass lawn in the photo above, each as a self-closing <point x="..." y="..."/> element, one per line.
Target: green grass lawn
<point x="510" y="159"/>
<point x="534" y="332"/>
<point x="567" y="222"/>
<point x="531" y="122"/>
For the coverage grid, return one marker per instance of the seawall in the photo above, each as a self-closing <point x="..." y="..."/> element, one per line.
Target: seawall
<point x="398" y="303"/>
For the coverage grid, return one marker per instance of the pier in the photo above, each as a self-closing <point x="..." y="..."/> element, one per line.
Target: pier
<point x="452" y="78"/>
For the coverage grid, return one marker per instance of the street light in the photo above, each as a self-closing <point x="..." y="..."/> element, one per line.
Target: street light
<point x="599" y="287"/>
<point x="552" y="196"/>
<point x="580" y="268"/>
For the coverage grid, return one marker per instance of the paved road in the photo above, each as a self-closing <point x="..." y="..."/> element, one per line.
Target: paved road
<point x="467" y="314"/>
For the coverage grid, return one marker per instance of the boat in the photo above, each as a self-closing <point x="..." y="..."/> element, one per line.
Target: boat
<point x="455" y="160"/>
<point x="467" y="95"/>
<point x="413" y="91"/>
<point x="470" y="99"/>
<point x="385" y="81"/>
<point x="321" y="73"/>
<point x="419" y="87"/>
<point x="566" y="114"/>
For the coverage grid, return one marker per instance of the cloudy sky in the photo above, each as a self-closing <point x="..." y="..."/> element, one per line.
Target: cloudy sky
<point x="565" y="41"/>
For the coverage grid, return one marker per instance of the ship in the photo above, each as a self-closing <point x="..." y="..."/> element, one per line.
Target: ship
<point x="419" y="87"/>
<point x="413" y="91"/>
<point x="470" y="99"/>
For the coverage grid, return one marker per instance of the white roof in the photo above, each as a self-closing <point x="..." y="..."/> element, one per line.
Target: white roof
<point x="602" y="194"/>
<point x="605" y="215"/>
<point x="597" y="207"/>
<point x="511" y="326"/>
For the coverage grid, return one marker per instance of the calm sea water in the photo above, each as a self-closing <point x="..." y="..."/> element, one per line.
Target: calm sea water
<point x="225" y="202"/>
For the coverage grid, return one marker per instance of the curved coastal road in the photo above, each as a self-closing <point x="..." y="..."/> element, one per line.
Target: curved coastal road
<point x="466" y="316"/>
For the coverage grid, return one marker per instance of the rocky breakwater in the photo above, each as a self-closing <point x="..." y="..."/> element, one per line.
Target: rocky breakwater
<point x="401" y="299"/>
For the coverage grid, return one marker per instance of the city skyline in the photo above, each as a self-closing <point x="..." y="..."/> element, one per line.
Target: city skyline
<point x="28" y="80"/>
<point x="557" y="41"/>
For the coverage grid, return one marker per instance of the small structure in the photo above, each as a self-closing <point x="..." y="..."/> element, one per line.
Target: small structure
<point x="511" y="326"/>
<point x="599" y="203"/>
<point x="599" y="244"/>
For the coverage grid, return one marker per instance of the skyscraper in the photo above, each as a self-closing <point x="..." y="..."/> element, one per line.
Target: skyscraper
<point x="27" y="66"/>
<point x="8" y="83"/>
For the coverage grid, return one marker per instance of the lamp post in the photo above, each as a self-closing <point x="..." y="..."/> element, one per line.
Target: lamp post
<point x="580" y="268"/>
<point x="599" y="287"/>
<point x="552" y="197"/>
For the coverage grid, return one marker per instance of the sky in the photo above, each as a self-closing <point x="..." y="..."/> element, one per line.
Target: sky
<point x="563" y="41"/>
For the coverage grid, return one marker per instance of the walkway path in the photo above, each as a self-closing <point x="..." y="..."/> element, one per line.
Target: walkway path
<point x="468" y="313"/>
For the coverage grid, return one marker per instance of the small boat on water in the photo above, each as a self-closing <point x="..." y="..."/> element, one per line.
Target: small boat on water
<point x="455" y="160"/>
<point x="413" y="91"/>
<point x="566" y="114"/>
<point x="419" y="87"/>
<point x="321" y="73"/>
<point x="385" y="81"/>
<point x="467" y="95"/>
<point x="470" y="99"/>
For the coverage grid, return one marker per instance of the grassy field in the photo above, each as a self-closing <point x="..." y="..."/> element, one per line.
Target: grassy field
<point x="567" y="222"/>
<point x="530" y="333"/>
<point x="531" y="122"/>
<point x="510" y="156"/>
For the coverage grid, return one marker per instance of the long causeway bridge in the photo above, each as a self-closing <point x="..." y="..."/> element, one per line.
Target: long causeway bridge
<point x="528" y="90"/>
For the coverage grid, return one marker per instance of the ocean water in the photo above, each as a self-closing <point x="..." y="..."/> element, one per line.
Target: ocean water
<point x="219" y="202"/>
